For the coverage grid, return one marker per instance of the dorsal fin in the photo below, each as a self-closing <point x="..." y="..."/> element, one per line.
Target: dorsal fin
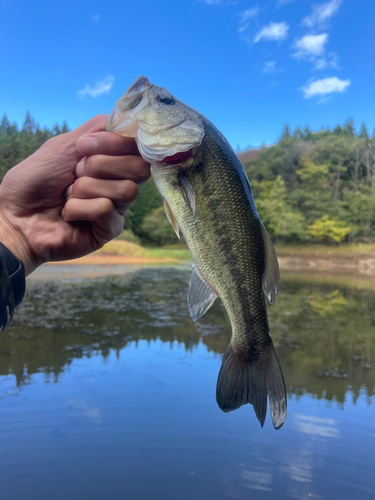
<point x="271" y="275"/>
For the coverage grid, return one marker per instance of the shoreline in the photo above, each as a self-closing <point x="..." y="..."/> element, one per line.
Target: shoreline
<point x="357" y="264"/>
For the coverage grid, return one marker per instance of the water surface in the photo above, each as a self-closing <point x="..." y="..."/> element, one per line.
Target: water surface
<point x="107" y="389"/>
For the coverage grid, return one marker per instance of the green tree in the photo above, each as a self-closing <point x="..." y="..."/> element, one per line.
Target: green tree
<point x="282" y="221"/>
<point x="328" y="230"/>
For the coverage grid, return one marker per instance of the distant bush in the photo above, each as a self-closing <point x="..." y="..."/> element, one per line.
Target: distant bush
<point x="127" y="235"/>
<point x="328" y="230"/>
<point x="157" y="230"/>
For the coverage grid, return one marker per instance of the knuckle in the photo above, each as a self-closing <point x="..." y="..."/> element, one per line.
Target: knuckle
<point x="78" y="186"/>
<point x="92" y="166"/>
<point x="106" y="206"/>
<point x="118" y="226"/>
<point x="143" y="169"/>
<point x="130" y="191"/>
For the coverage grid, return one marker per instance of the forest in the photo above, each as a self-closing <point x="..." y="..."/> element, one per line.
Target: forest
<point x="309" y="187"/>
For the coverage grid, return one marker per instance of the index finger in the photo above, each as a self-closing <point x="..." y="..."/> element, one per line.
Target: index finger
<point x="106" y="143"/>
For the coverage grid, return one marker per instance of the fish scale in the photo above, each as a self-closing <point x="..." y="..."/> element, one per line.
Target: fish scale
<point x="208" y="198"/>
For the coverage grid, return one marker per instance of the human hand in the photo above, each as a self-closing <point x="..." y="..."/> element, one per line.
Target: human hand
<point x="70" y="197"/>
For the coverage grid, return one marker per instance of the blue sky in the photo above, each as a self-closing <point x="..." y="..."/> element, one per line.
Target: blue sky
<point x="250" y="67"/>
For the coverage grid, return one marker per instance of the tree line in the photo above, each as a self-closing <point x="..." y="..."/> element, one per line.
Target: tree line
<point x="17" y="144"/>
<point x="308" y="187"/>
<point x="317" y="186"/>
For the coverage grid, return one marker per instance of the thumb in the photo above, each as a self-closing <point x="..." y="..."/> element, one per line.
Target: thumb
<point x="67" y="142"/>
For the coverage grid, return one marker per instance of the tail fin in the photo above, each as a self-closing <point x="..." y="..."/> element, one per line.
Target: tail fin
<point x="241" y="382"/>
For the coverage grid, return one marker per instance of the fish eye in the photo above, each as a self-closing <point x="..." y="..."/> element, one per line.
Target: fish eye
<point x="166" y="100"/>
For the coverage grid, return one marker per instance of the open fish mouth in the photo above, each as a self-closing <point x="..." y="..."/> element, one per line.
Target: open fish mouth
<point x="177" y="158"/>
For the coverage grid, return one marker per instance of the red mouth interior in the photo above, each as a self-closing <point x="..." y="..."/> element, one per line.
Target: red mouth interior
<point x="178" y="157"/>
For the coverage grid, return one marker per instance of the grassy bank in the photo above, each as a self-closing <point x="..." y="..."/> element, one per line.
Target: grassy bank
<point x="346" y="258"/>
<point x="132" y="250"/>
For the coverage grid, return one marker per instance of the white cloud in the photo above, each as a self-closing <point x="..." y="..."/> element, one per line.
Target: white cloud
<point x="310" y="45"/>
<point x="311" y="48"/>
<point x="95" y="18"/>
<point x="210" y="2"/>
<point x="269" y="67"/>
<point x="244" y="22"/>
<point x="321" y="13"/>
<point x="324" y="87"/>
<point x="98" y="89"/>
<point x="248" y="14"/>
<point x="273" y="31"/>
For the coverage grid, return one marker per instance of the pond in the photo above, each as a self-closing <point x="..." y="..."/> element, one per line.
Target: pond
<point x="107" y="390"/>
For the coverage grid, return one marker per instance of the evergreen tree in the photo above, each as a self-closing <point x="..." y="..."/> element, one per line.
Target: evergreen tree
<point x="307" y="134"/>
<point x="349" y="129"/>
<point x="337" y="130"/>
<point x="285" y="134"/>
<point x="363" y="133"/>
<point x="5" y="124"/>
<point x="298" y="134"/>
<point x="64" y="128"/>
<point x="29" y="126"/>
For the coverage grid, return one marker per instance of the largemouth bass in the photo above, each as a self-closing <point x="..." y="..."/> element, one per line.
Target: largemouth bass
<point x="207" y="196"/>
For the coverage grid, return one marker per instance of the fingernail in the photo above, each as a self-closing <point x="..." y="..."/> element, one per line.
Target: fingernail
<point x="88" y="145"/>
<point x="80" y="168"/>
<point x="68" y="191"/>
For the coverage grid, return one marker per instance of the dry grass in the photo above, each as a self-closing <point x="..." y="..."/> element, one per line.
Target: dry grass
<point x="350" y="250"/>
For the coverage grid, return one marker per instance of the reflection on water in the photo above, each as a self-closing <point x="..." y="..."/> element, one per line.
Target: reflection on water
<point x="109" y="379"/>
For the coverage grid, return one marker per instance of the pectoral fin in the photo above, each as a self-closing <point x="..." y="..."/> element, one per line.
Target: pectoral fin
<point x="187" y="192"/>
<point x="271" y="275"/>
<point x="171" y="218"/>
<point x="200" y="295"/>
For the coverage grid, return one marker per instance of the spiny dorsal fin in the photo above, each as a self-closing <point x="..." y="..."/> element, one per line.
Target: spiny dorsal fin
<point x="187" y="192"/>
<point x="271" y="275"/>
<point x="200" y="295"/>
<point x="171" y="218"/>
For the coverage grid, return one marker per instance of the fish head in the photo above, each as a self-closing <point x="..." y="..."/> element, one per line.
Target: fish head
<point x="122" y="119"/>
<point x="167" y="130"/>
